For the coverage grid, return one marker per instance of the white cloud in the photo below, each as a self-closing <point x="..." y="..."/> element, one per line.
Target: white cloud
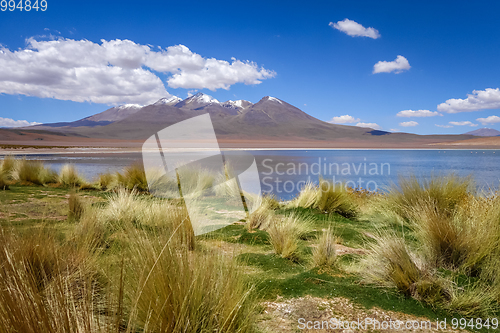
<point x="355" y="29"/>
<point x="370" y="125"/>
<point x="478" y="100"/>
<point x="115" y="72"/>
<point x="444" y="126"/>
<point x="345" y="119"/>
<point x="463" y="123"/>
<point x="489" y="121"/>
<point x="417" y="113"/>
<point x="394" y="130"/>
<point x="399" y="65"/>
<point x="408" y="124"/>
<point x="7" y="122"/>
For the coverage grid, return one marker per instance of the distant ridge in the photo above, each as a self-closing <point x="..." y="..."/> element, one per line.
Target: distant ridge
<point x="270" y="122"/>
<point x="484" y="132"/>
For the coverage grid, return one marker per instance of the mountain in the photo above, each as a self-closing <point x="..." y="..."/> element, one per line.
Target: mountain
<point x="271" y="122"/>
<point x="101" y="119"/>
<point x="270" y="118"/>
<point x="484" y="132"/>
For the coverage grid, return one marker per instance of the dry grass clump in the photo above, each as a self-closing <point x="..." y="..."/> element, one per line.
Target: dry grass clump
<point x="128" y="210"/>
<point x="33" y="172"/>
<point x="445" y="192"/>
<point x="392" y="264"/>
<point x="327" y="197"/>
<point x="8" y="166"/>
<point x="76" y="206"/>
<point x="195" y="181"/>
<point x="174" y="290"/>
<point x="68" y="176"/>
<point x="4" y="184"/>
<point x="264" y="214"/>
<point x="106" y="181"/>
<point x="452" y="230"/>
<point x="133" y="177"/>
<point x="325" y="253"/>
<point x="46" y="286"/>
<point x="285" y="234"/>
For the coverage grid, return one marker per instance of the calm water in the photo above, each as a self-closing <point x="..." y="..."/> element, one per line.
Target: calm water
<point x="284" y="172"/>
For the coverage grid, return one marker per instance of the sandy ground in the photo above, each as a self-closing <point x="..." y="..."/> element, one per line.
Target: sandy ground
<point x="25" y="142"/>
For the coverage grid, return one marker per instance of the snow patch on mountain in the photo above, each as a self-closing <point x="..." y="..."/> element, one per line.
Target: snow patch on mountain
<point x="128" y="106"/>
<point x="239" y="104"/>
<point x="168" y="101"/>
<point x="202" y="98"/>
<point x="274" y="99"/>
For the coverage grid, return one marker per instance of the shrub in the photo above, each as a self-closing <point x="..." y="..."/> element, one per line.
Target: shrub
<point x="325" y="253"/>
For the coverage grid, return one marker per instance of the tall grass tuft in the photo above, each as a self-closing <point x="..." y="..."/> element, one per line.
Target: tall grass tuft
<point x="76" y="206"/>
<point x="33" y="172"/>
<point x="46" y="286"/>
<point x="446" y="192"/>
<point x="263" y="215"/>
<point x="128" y="210"/>
<point x="68" y="176"/>
<point x="285" y="234"/>
<point x="174" y="290"/>
<point x="4" y="185"/>
<point x="392" y="264"/>
<point x="327" y="197"/>
<point x="133" y="177"/>
<point x="454" y="234"/>
<point x="106" y="181"/>
<point x="8" y="166"/>
<point x="325" y="253"/>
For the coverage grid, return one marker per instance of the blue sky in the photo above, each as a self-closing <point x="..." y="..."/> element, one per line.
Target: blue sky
<point x="56" y="67"/>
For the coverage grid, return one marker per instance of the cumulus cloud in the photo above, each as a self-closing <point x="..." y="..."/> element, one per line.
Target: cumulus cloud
<point x="408" y="123"/>
<point x="477" y="101"/>
<point x="444" y="126"/>
<point x="116" y="71"/>
<point x="345" y="119"/>
<point x="370" y="125"/>
<point x="489" y="120"/>
<point x="8" y="122"/>
<point x="397" y="66"/>
<point x="355" y="29"/>
<point x="417" y="113"/>
<point x="463" y="123"/>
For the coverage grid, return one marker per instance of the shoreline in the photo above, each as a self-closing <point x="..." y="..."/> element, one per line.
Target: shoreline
<point x="102" y="150"/>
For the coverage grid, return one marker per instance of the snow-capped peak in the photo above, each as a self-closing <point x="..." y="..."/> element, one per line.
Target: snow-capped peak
<point x="274" y="99"/>
<point x="239" y="104"/>
<point x="168" y="101"/>
<point x="129" y="106"/>
<point x="202" y="99"/>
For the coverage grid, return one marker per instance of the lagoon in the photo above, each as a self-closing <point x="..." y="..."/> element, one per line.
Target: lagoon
<point x="283" y="172"/>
